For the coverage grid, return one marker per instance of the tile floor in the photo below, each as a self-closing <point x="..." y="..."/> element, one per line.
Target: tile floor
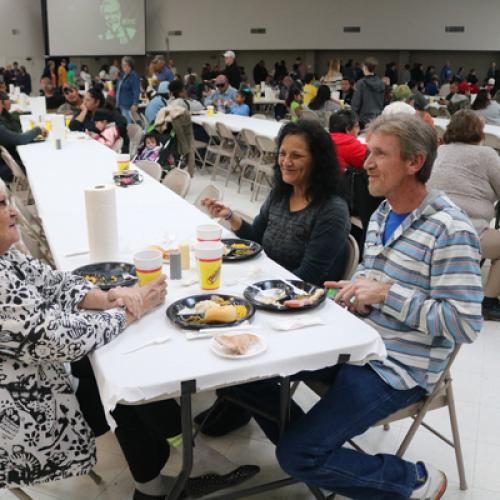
<point x="477" y="392"/>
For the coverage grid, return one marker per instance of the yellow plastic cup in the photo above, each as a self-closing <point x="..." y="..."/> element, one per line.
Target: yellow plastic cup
<point x="48" y="125"/>
<point x="210" y="111"/>
<point x="148" y="265"/>
<point x="123" y="162"/>
<point x="342" y="103"/>
<point x="32" y="124"/>
<point x="209" y="260"/>
<point x="67" y="121"/>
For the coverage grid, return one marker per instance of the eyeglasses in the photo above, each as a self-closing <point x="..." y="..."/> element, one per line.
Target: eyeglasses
<point x="220" y="85"/>
<point x="67" y="90"/>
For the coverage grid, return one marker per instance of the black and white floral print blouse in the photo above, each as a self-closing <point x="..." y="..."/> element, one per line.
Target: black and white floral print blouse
<point x="43" y="435"/>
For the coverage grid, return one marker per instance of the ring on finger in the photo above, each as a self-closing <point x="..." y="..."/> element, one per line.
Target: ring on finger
<point x="352" y="300"/>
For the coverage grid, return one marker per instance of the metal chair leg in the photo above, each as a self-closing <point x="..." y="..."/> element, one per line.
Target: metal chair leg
<point x="456" y="437"/>
<point x="19" y="493"/>
<point x="95" y="477"/>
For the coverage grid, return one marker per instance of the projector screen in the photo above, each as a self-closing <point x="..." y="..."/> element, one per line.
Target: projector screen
<point x="96" y="27"/>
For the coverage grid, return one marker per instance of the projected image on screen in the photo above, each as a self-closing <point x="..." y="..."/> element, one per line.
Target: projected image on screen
<point x="117" y="26"/>
<point x="96" y="27"/>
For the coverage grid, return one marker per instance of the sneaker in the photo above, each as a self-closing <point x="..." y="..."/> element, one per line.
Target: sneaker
<point x="491" y="309"/>
<point x="434" y="486"/>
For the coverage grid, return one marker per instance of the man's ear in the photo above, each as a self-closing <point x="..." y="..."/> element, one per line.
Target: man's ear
<point x="416" y="163"/>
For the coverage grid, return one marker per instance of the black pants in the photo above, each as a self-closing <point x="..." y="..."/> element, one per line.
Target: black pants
<point x="142" y="430"/>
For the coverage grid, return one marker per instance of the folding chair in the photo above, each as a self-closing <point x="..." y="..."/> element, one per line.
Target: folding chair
<point x="251" y="157"/>
<point x="150" y="167"/>
<point x="178" y="181"/>
<point x="309" y="114"/>
<point x="19" y="186"/>
<point x="213" y="145"/>
<point x="352" y="258"/>
<point x="264" y="171"/>
<point x="135" y="133"/>
<point x="228" y="149"/>
<point x="492" y="140"/>
<point x="441" y="396"/>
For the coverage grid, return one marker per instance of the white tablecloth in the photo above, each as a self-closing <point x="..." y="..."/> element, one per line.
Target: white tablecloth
<point x="145" y="214"/>
<point x="490" y="129"/>
<point x="269" y="128"/>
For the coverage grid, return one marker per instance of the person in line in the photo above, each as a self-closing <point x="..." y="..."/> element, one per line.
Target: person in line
<point x="114" y="71"/>
<point x="10" y="140"/>
<point x="260" y="72"/>
<point x="469" y="173"/>
<point x="50" y="72"/>
<point x="85" y="77"/>
<point x="344" y="131"/>
<point x="391" y="72"/>
<point x="408" y="288"/>
<point x="107" y="130"/>
<point x="446" y="73"/>
<point x="24" y="80"/>
<point x="72" y="106"/>
<point x="487" y="108"/>
<point x="323" y="105"/>
<point x="160" y="100"/>
<point x="50" y="318"/>
<point x="62" y="74"/>
<point x="346" y="90"/>
<point x="224" y="95"/>
<point x="294" y="103"/>
<point x="71" y="74"/>
<point x="243" y="104"/>
<point x="162" y="72"/>
<point x="9" y="119"/>
<point x="303" y="225"/>
<point x="333" y="76"/>
<point x="310" y="90"/>
<point x="232" y="71"/>
<point x="368" y="99"/>
<point x="128" y="89"/>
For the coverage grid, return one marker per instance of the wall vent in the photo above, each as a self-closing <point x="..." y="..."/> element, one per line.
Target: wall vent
<point x="454" y="29"/>
<point x="15" y="32"/>
<point x="175" y="33"/>
<point x="258" y="31"/>
<point x="352" y="29"/>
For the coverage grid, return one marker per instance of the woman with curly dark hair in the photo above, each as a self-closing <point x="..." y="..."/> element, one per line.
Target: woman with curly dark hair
<point x="304" y="223"/>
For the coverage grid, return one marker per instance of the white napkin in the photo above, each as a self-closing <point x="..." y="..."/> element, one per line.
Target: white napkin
<point x="206" y="333"/>
<point x="295" y="322"/>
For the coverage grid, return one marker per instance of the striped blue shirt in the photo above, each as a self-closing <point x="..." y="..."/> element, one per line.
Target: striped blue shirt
<point x="432" y="258"/>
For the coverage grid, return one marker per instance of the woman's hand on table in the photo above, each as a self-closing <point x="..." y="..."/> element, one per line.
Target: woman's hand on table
<point x="130" y="298"/>
<point x="153" y="294"/>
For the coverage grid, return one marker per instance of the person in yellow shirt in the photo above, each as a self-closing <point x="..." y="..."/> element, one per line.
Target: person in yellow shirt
<point x="310" y="90"/>
<point x="62" y="74"/>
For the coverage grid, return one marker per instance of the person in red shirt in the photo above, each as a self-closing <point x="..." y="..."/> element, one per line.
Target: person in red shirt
<point x="344" y="130"/>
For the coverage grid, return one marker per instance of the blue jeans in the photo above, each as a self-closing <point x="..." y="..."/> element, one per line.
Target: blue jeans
<point x="311" y="449"/>
<point x="126" y="113"/>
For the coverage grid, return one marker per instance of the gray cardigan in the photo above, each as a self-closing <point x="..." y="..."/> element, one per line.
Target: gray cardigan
<point x="470" y="176"/>
<point x="311" y="243"/>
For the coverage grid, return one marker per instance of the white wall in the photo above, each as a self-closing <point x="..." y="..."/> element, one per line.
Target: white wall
<point x="26" y="17"/>
<point x="318" y="24"/>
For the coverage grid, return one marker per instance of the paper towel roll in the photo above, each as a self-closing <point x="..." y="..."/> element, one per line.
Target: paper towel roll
<point x="102" y="224"/>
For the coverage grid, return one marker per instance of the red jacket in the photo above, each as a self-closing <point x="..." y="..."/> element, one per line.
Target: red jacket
<point x="350" y="152"/>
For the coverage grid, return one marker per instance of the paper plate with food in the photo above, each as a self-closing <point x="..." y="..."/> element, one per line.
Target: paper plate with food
<point x="127" y="178"/>
<point x="107" y="275"/>
<point x="284" y="295"/>
<point x="238" y="345"/>
<point x="236" y="249"/>
<point x="210" y="311"/>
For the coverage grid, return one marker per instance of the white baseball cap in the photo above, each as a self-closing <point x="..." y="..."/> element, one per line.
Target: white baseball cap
<point x="229" y="53"/>
<point x="491" y="81"/>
